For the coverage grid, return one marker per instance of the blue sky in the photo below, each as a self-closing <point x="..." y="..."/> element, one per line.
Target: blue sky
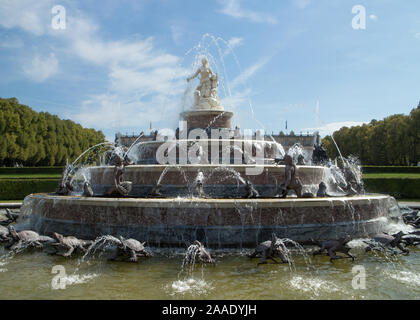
<point x="120" y="64"/>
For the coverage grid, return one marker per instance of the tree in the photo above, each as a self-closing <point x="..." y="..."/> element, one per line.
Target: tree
<point x="35" y="139"/>
<point x="394" y="140"/>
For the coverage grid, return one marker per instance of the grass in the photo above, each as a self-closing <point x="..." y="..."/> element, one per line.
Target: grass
<point x="391" y="175"/>
<point x="10" y="201"/>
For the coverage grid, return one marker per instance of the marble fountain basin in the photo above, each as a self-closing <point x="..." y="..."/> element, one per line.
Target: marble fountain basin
<point x="216" y="222"/>
<point x="219" y="181"/>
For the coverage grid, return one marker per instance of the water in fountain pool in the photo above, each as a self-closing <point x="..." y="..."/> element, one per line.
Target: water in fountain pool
<point x="28" y="276"/>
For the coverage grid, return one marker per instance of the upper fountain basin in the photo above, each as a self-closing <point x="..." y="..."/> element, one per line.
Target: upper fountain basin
<point x="219" y="181"/>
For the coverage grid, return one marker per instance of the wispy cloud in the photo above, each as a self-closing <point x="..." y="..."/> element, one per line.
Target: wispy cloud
<point x="233" y="43"/>
<point x="41" y="68"/>
<point x="139" y="76"/>
<point x="114" y="113"/>
<point x="301" y="4"/>
<point x="249" y="72"/>
<point x="138" y="72"/>
<point x="236" y="100"/>
<point x="329" y="128"/>
<point x="31" y="16"/>
<point x="234" y="9"/>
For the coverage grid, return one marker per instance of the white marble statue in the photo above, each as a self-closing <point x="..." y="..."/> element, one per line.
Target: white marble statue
<point x="206" y="92"/>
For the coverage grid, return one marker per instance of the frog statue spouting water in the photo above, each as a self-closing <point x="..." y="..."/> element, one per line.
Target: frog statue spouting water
<point x="197" y="253"/>
<point x="130" y="247"/>
<point x="268" y="250"/>
<point x="334" y="246"/>
<point x="70" y="243"/>
<point x="385" y="243"/>
<point x="26" y="239"/>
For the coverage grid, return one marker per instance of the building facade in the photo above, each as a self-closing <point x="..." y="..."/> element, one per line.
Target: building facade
<point x="307" y="140"/>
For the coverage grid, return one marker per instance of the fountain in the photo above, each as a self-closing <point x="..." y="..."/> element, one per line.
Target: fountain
<point x="221" y="190"/>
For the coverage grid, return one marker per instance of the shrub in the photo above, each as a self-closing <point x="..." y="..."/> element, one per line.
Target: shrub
<point x="390" y="169"/>
<point x="31" y="170"/>
<point x="17" y="189"/>
<point x="397" y="187"/>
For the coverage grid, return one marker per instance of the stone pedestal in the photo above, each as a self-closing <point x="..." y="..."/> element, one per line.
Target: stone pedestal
<point x="207" y="119"/>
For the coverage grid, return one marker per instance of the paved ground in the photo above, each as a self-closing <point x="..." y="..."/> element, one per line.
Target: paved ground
<point x="414" y="205"/>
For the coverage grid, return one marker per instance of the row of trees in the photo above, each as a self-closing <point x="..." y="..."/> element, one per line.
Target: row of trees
<point x="392" y="141"/>
<point x="40" y="139"/>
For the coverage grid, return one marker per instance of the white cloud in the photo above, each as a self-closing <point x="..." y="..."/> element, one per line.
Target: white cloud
<point x="155" y="81"/>
<point x="142" y="82"/>
<point x="236" y="100"/>
<point x="135" y="68"/>
<point x="231" y="44"/>
<point x="417" y="35"/>
<point x="301" y="4"/>
<point x="41" y="68"/>
<point x="235" y="42"/>
<point x="111" y="112"/>
<point x="31" y="16"/>
<point x="234" y="9"/>
<point x="249" y="72"/>
<point x="329" y="128"/>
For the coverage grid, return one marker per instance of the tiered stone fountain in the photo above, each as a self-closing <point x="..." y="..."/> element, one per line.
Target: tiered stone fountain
<point x="222" y="215"/>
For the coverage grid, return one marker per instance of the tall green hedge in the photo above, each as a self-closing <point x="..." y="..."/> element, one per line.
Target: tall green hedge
<point x="17" y="189"/>
<point x="390" y="169"/>
<point x="397" y="187"/>
<point x="31" y="170"/>
<point x="39" y="138"/>
<point x="394" y="141"/>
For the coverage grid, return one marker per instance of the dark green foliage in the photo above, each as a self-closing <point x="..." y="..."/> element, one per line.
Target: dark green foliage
<point x="392" y="141"/>
<point x="390" y="169"/>
<point x="17" y="189"/>
<point x="31" y="170"/>
<point x="40" y="139"/>
<point x="397" y="187"/>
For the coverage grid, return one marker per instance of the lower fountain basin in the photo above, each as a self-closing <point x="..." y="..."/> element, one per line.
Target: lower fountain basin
<point x="215" y="222"/>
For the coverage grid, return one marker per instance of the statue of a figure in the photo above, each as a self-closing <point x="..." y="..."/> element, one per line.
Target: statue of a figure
<point x="65" y="187"/>
<point x="121" y="188"/>
<point x="251" y="192"/>
<point x="209" y="83"/>
<point x="301" y="160"/>
<point x="292" y="181"/>
<point x="319" y="155"/>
